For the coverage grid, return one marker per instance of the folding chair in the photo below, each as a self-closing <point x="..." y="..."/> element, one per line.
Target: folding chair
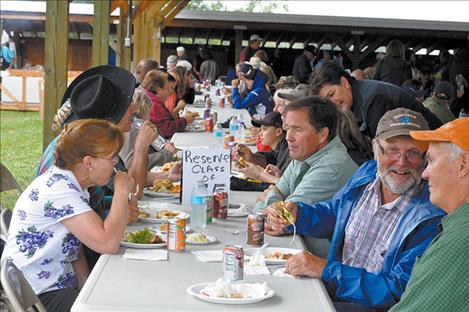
<point x="17" y="288"/>
<point x="7" y="181"/>
<point x="5" y="218"/>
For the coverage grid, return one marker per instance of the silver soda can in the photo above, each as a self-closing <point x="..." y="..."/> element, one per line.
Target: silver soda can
<point x="214" y="116"/>
<point x="233" y="263"/>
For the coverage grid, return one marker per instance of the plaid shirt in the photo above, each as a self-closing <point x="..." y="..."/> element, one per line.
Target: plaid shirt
<point x="371" y="226"/>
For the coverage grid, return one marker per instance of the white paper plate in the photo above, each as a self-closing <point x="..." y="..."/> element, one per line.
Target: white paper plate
<point x="211" y="239"/>
<point x="149" y="192"/>
<point x="240" y="211"/>
<point x="181" y="215"/>
<point x="269" y="251"/>
<point x="194" y="290"/>
<point x="143" y="246"/>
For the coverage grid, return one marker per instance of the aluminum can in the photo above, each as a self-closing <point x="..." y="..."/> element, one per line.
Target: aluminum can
<point x="233" y="263"/>
<point x="255" y="233"/>
<point x="210" y="204"/>
<point x="221" y="102"/>
<point x="176" y="238"/>
<point x="214" y="116"/>
<point x="220" y="203"/>
<point x="206" y="113"/>
<point x="209" y="124"/>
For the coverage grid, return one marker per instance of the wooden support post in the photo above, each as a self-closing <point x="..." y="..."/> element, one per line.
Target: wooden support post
<point x="56" y="46"/>
<point x="238" y="44"/>
<point x="156" y="39"/>
<point x="123" y="52"/>
<point x="100" y="50"/>
<point x="356" y="52"/>
<point x="138" y="39"/>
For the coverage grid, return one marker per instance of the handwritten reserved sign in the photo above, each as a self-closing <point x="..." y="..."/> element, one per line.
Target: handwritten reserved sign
<point x="209" y="165"/>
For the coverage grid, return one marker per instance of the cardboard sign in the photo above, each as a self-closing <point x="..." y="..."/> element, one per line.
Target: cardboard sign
<point x="209" y="165"/>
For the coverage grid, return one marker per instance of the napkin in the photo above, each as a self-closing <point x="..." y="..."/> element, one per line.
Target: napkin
<point x="242" y="210"/>
<point x="256" y="265"/>
<point x="209" y="255"/>
<point x="281" y="273"/>
<point x="153" y="254"/>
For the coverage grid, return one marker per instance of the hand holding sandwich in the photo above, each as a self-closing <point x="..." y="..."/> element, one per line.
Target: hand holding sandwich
<point x="279" y="216"/>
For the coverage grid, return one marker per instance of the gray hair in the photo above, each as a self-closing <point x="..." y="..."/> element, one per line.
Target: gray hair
<point x="453" y="150"/>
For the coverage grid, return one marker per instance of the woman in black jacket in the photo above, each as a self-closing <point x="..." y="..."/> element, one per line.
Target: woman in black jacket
<point x="393" y="68"/>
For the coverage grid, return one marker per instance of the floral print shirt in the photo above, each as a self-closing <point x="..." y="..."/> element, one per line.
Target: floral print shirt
<point x="38" y="243"/>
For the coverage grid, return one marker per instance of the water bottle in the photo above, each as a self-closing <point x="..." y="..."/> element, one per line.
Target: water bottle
<point x="159" y="142"/>
<point x="241" y="128"/>
<point x="199" y="206"/>
<point x="462" y="113"/>
<point x="234" y="126"/>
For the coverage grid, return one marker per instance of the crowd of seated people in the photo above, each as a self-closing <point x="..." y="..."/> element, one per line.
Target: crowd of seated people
<point x="374" y="162"/>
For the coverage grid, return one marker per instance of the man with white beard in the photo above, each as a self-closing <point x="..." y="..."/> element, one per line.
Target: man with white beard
<point x="378" y="223"/>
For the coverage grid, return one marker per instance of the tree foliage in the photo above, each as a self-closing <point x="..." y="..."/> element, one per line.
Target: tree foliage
<point x="216" y="5"/>
<point x="256" y="6"/>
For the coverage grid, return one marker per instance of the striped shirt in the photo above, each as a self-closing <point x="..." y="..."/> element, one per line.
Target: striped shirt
<point x="371" y="226"/>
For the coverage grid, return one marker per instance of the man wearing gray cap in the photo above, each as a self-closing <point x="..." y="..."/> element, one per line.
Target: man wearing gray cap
<point x="378" y="223"/>
<point x="438" y="103"/>
<point x="251" y="49"/>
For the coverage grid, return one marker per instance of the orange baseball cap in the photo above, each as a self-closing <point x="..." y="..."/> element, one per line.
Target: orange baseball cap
<point x="456" y="131"/>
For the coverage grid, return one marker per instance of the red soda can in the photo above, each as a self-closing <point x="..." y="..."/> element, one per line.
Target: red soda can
<point x="255" y="233"/>
<point x="233" y="263"/>
<point x="220" y="203"/>
<point x="209" y="125"/>
<point x="221" y="102"/>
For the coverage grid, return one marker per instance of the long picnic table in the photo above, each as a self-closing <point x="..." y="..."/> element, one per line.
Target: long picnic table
<point x="117" y="284"/>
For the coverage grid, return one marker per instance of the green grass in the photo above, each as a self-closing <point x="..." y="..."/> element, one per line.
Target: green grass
<point x="20" y="149"/>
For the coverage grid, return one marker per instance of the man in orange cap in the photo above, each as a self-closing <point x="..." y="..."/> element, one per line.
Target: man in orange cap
<point x="440" y="279"/>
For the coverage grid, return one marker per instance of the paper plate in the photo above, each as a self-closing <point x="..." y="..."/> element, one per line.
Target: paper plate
<point x="194" y="290"/>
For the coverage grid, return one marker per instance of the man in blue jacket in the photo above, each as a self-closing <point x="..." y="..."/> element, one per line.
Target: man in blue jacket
<point x="378" y="223"/>
<point x="258" y="100"/>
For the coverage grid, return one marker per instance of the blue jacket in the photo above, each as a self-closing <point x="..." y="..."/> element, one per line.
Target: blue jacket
<point x="258" y="100"/>
<point x="418" y="226"/>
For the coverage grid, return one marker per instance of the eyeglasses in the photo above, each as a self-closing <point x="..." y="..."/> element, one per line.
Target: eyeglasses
<point x="396" y="154"/>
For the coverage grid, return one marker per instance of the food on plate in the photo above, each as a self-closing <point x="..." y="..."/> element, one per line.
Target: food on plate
<point x="176" y="189"/>
<point x="222" y="289"/>
<point x="145" y="236"/>
<point x="165" y="186"/>
<point x="168" y="166"/>
<point x="143" y="214"/>
<point x="241" y="163"/>
<point x="167" y="214"/>
<point x="197" y="238"/>
<point x="278" y="255"/>
<point x="280" y="209"/>
<point x="193" y="114"/>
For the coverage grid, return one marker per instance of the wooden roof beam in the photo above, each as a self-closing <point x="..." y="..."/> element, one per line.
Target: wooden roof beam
<point x="266" y="37"/>
<point x="308" y="40"/>
<point x="222" y="37"/>
<point x="207" y="38"/>
<point x="292" y="41"/>
<point x="433" y="47"/>
<point x="279" y="40"/>
<point x="174" y="12"/>
<point x="322" y="41"/>
<point x="372" y="46"/>
<point x="338" y="40"/>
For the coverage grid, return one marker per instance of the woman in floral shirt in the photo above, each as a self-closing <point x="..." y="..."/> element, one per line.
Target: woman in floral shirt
<point x="53" y="217"/>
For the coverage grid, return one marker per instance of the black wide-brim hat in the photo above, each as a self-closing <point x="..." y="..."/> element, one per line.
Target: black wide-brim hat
<point x="103" y="92"/>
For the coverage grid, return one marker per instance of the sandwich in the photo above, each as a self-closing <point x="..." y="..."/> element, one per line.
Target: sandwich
<point x="280" y="209"/>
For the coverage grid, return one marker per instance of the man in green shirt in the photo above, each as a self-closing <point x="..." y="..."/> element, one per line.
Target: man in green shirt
<point x="440" y="278"/>
<point x="320" y="163"/>
<point x="439" y="102"/>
